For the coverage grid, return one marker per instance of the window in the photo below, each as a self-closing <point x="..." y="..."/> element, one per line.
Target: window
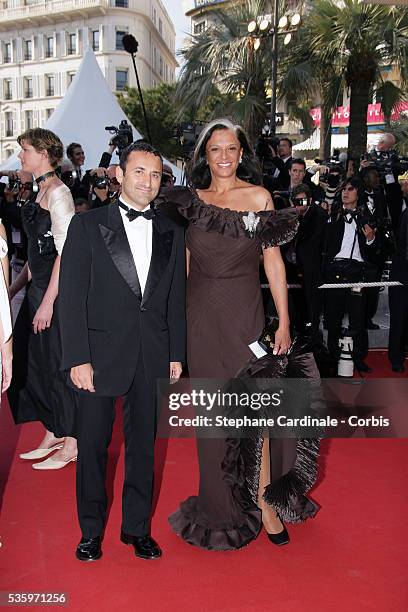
<point x="122" y="3"/>
<point x="119" y="35"/>
<point x="71" y="44"/>
<point x="154" y="16"/>
<point x="49" y="80"/>
<point x="9" y="153"/>
<point x="28" y="119"/>
<point x="121" y="79"/>
<point x="28" y="87"/>
<point x="48" y="113"/>
<point x="70" y="77"/>
<point x="7" y="53"/>
<point x="49" y="47"/>
<point x="8" y="90"/>
<point x="160" y="26"/>
<point x="95" y="40"/>
<point x="161" y="66"/>
<point x="199" y="27"/>
<point x="28" y="50"/>
<point x="9" y="123"/>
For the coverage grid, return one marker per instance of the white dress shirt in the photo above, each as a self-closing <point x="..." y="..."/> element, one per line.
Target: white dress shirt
<point x="139" y="233"/>
<point x="350" y="230"/>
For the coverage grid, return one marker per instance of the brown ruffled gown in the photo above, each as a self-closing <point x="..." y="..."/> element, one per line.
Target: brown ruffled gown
<point x="224" y="315"/>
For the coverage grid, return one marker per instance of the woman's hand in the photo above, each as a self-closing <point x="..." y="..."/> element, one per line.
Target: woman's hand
<point x="282" y="341"/>
<point x="6" y="364"/>
<point x="43" y="316"/>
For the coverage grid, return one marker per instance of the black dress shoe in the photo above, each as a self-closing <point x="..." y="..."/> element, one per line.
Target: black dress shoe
<point x="363" y="367"/>
<point x="280" y="538"/>
<point x="145" y="547"/>
<point x="398" y="368"/>
<point x="372" y="325"/>
<point x="89" y="549"/>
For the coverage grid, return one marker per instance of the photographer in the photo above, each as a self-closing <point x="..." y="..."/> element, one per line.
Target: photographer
<point x="76" y="156"/>
<point x="390" y="166"/>
<point x="297" y="176"/>
<point x="349" y="246"/>
<point x="376" y="203"/>
<point x="278" y="154"/>
<point x="103" y="186"/>
<point x="302" y="257"/>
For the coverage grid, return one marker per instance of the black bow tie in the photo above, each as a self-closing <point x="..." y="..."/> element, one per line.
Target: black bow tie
<point x="133" y="214"/>
<point x="349" y="215"/>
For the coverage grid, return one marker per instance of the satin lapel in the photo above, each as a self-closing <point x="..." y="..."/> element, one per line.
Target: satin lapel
<point x="117" y="244"/>
<point x="162" y="244"/>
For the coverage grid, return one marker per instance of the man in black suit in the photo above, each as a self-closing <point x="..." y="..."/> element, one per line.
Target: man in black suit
<point x="350" y="245"/>
<point x="122" y="301"/>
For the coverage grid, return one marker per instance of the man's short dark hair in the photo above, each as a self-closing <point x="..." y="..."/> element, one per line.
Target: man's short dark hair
<point x="288" y="140"/>
<point x="299" y="161"/>
<point x="302" y="188"/>
<point x="136" y="147"/>
<point x="71" y="147"/>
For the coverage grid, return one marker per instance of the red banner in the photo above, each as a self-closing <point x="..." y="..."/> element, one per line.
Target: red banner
<point x="375" y="116"/>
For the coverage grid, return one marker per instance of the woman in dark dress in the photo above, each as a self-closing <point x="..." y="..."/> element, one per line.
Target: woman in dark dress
<point x="231" y="224"/>
<point x="38" y="390"/>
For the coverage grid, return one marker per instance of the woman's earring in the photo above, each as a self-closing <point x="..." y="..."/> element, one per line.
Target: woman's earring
<point x="240" y="160"/>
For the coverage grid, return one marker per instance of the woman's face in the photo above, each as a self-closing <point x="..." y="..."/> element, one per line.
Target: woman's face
<point x="30" y="159"/>
<point x="349" y="196"/>
<point x="223" y="152"/>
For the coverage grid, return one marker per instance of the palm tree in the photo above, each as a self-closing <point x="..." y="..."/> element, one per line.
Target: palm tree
<point x="224" y="57"/>
<point x="360" y="40"/>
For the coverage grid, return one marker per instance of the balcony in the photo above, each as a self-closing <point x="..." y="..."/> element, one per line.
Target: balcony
<point x="52" y="11"/>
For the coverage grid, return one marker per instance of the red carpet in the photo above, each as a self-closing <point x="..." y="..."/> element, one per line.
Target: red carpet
<point x="353" y="555"/>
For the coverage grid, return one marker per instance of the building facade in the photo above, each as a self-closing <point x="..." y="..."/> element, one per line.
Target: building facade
<point x="42" y="43"/>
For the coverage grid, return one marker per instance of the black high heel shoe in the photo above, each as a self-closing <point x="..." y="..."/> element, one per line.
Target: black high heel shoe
<point x="280" y="538"/>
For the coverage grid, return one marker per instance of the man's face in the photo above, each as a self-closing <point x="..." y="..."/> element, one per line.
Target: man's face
<point x="297" y="174"/>
<point x="141" y="179"/>
<point x="78" y="157"/>
<point x="386" y="143"/>
<point x="284" y="149"/>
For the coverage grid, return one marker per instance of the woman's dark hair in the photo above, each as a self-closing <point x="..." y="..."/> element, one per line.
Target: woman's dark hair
<point x="249" y="170"/>
<point x="358" y="184"/>
<point x="44" y="140"/>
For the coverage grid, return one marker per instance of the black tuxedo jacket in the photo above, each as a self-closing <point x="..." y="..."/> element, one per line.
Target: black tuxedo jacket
<point x="334" y="232"/>
<point x="105" y="320"/>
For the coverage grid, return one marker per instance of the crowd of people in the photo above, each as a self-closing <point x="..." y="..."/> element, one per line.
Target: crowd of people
<point x="116" y="298"/>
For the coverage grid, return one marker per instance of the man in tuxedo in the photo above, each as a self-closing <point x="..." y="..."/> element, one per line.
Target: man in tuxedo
<point x="350" y="245"/>
<point x="122" y="303"/>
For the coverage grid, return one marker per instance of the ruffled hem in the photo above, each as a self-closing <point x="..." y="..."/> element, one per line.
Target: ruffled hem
<point x="188" y="523"/>
<point x="273" y="228"/>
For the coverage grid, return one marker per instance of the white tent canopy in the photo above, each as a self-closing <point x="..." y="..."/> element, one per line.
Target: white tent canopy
<point x="81" y="116"/>
<point x="338" y="141"/>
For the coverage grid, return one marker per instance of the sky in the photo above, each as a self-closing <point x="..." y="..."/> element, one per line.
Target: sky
<point x="180" y="21"/>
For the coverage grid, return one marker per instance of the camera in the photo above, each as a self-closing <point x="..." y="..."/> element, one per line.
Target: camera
<point x="336" y="170"/>
<point x="387" y="162"/>
<point x="123" y="136"/>
<point x="101" y="182"/>
<point x="262" y="145"/>
<point x="14" y="184"/>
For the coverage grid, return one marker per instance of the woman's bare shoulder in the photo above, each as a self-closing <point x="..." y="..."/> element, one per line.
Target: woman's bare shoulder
<point x="259" y="198"/>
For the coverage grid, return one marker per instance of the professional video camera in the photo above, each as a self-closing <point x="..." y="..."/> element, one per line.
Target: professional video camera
<point x="123" y="135"/>
<point x="387" y="162"/>
<point x="14" y="184"/>
<point x="187" y="134"/>
<point x="262" y="150"/>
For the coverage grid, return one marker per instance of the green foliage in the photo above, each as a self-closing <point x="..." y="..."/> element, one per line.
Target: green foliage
<point x="163" y="114"/>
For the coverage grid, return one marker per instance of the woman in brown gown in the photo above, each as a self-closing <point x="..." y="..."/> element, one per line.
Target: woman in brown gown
<point x="224" y="315"/>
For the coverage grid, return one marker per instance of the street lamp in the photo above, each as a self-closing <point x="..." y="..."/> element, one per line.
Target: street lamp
<point x="270" y="26"/>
